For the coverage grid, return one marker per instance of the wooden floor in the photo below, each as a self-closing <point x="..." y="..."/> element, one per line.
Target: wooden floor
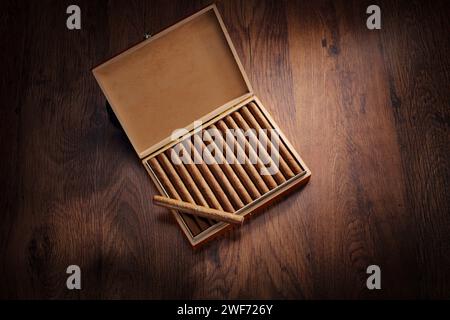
<point x="368" y="111"/>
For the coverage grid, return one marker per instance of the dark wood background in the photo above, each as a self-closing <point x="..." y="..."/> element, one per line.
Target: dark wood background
<point x="367" y="110"/>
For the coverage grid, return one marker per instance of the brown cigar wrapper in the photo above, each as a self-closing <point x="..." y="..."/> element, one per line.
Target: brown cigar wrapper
<point x="190" y="221"/>
<point x="285" y="154"/>
<point x="247" y="115"/>
<point x="197" y="210"/>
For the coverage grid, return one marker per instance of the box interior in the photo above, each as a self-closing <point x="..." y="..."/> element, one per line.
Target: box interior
<point x="186" y="73"/>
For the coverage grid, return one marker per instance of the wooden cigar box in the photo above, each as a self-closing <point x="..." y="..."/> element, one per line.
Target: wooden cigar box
<point x="189" y="77"/>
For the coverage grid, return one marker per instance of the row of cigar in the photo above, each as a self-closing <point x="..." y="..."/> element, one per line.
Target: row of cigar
<point x="223" y="185"/>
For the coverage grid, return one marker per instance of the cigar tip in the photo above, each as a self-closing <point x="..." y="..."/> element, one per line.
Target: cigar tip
<point x="157" y="198"/>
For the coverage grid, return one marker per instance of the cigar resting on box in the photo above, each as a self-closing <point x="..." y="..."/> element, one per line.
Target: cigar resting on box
<point x="198" y="210"/>
<point x="172" y="192"/>
<point x="249" y="168"/>
<point x="247" y="115"/>
<point x="262" y="152"/>
<point x="285" y="154"/>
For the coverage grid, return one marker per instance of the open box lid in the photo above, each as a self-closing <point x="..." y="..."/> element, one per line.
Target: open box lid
<point x="185" y="73"/>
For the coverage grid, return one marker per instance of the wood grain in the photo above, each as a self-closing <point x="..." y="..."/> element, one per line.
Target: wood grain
<point x="367" y="110"/>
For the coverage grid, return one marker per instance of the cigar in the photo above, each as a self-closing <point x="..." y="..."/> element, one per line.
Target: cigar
<point x="217" y="171"/>
<point x="179" y="185"/>
<point x="251" y="170"/>
<point x="172" y="192"/>
<point x="246" y="114"/>
<point x="187" y="179"/>
<point x="268" y="179"/>
<point x="262" y="152"/>
<point x="227" y="169"/>
<point x="198" y="178"/>
<point x="238" y="169"/>
<point x="285" y="154"/>
<point x="210" y="179"/>
<point x="197" y="210"/>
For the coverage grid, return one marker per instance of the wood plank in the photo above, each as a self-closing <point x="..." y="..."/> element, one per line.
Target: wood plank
<point x="417" y="74"/>
<point x="346" y="100"/>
